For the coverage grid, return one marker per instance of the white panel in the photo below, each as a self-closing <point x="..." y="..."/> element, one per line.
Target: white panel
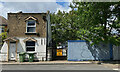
<point x="116" y="52"/>
<point x="83" y="51"/>
<point x="3" y="54"/>
<point x="4" y="48"/>
<point x="79" y="51"/>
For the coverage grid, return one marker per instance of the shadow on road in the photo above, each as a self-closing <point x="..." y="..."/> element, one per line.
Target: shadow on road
<point x="110" y="62"/>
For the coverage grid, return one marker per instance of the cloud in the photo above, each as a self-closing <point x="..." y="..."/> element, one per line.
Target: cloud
<point x="64" y="0"/>
<point x="64" y="7"/>
<point x="28" y="0"/>
<point x="31" y="7"/>
<point x="35" y="0"/>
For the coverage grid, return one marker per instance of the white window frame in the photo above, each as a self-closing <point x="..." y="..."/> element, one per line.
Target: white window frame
<point x="43" y="41"/>
<point x="30" y="46"/>
<point x="30" y="26"/>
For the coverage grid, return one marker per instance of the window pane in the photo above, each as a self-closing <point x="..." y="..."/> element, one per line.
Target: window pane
<point x="44" y="41"/>
<point x="30" y="43"/>
<point x="30" y="49"/>
<point x="41" y="42"/>
<point x="30" y="29"/>
<point x="30" y="46"/>
<point x="31" y="23"/>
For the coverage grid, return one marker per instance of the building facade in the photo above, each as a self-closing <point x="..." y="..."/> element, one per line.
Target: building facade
<point x="3" y="30"/>
<point x="3" y="24"/>
<point x="29" y="33"/>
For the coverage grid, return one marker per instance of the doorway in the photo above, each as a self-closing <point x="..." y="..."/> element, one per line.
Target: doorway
<point x="12" y="51"/>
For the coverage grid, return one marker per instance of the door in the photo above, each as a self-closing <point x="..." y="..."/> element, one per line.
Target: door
<point x="12" y="51"/>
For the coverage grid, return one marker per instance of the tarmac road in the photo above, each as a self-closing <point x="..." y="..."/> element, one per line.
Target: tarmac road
<point x="56" y="67"/>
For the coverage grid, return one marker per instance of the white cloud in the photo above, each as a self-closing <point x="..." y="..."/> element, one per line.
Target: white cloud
<point x="31" y="7"/>
<point x="28" y="0"/>
<point x="66" y="9"/>
<point x="35" y="0"/>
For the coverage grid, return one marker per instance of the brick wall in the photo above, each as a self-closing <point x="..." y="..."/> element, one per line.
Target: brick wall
<point x="17" y="24"/>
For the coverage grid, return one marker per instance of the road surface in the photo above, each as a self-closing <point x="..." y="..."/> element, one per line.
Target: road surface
<point x="56" y="67"/>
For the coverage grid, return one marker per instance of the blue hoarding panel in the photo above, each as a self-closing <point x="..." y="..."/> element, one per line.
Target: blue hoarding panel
<point x="80" y="50"/>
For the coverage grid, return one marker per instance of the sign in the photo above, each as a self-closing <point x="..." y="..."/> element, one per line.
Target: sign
<point x="59" y="52"/>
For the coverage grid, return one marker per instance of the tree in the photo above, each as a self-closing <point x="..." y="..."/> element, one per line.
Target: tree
<point x="92" y="21"/>
<point x="98" y="20"/>
<point x="2" y="37"/>
<point x="63" y="26"/>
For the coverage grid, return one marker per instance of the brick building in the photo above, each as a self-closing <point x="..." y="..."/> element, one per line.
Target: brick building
<point x="29" y="33"/>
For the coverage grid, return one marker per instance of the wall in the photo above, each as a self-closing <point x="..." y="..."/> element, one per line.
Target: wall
<point x="3" y="53"/>
<point x="81" y="50"/>
<point x="17" y="24"/>
<point x="39" y="49"/>
<point x="101" y="51"/>
<point x="116" y="52"/>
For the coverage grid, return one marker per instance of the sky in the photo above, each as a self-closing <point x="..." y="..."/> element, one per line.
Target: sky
<point x="32" y="7"/>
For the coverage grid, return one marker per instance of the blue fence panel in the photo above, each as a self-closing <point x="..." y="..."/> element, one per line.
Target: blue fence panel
<point x="80" y="50"/>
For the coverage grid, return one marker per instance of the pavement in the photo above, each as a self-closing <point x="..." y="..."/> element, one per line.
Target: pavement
<point x="59" y="63"/>
<point x="56" y="67"/>
<point x="113" y="66"/>
<point x="46" y="62"/>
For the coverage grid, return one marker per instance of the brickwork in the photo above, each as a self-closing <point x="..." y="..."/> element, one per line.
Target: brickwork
<point x="17" y="24"/>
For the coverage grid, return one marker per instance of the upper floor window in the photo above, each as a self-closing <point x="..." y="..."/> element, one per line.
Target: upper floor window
<point x="31" y="26"/>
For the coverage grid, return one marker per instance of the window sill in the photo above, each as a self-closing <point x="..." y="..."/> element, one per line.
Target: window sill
<point x="30" y="33"/>
<point x="31" y="52"/>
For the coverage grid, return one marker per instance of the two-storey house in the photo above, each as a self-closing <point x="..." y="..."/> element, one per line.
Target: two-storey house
<point x="27" y="32"/>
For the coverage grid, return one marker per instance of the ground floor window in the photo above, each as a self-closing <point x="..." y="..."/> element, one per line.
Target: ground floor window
<point x="30" y="46"/>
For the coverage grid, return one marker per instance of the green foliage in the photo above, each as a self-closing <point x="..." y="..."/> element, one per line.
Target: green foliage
<point x="3" y="36"/>
<point x="64" y="27"/>
<point x="99" y="19"/>
<point x="92" y="21"/>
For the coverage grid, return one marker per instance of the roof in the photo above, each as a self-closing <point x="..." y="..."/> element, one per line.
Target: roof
<point x="11" y="38"/>
<point x="27" y="13"/>
<point x="31" y="17"/>
<point x="20" y="12"/>
<point x="29" y="39"/>
<point x="3" y="21"/>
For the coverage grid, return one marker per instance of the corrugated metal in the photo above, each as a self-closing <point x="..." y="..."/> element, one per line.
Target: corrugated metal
<point x="81" y="50"/>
